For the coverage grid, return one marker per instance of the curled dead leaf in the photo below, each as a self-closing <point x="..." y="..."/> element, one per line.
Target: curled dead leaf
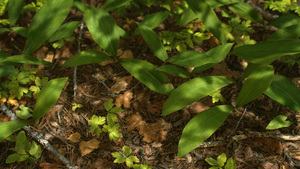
<point x="127" y="54"/>
<point x="121" y="84"/>
<point x="135" y="121"/>
<point x="74" y="137"/>
<point x="124" y="99"/>
<point x="86" y="147"/>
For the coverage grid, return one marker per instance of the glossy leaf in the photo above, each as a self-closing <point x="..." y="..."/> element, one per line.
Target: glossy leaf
<point x="48" y="96"/>
<point x="258" y="80"/>
<point x="46" y="22"/>
<point x="86" y="57"/>
<point x="201" y="127"/>
<point x="260" y="53"/>
<point x="197" y="59"/>
<point x="103" y="29"/>
<point x="154" y="20"/>
<point x="207" y="15"/>
<point x="8" y="128"/>
<point x="193" y="90"/>
<point x="246" y="11"/>
<point x="66" y="30"/>
<point x="278" y="122"/>
<point x="154" y="43"/>
<point x="24" y="59"/>
<point x="174" y="70"/>
<point x="283" y="91"/>
<point x="111" y="5"/>
<point x="14" y="10"/>
<point x="147" y="74"/>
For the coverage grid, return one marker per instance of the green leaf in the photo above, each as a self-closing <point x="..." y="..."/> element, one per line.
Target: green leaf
<point x="219" y="3"/>
<point x="5" y="70"/>
<point x="108" y="105"/>
<point x="3" y="4"/>
<point x="126" y="150"/>
<point x="283" y="91"/>
<point x="222" y="158"/>
<point x="289" y="32"/>
<point x="24" y="112"/>
<point x="174" y="70"/>
<point x="96" y="121"/>
<point x="186" y="17"/>
<point x="14" y="10"/>
<point x="35" y="150"/>
<point x="48" y="96"/>
<point x="8" y="128"/>
<point x="285" y="20"/>
<point x="154" y="43"/>
<point x="258" y="80"/>
<point x="86" y="57"/>
<point x="20" y="31"/>
<point x="207" y="15"/>
<point x="12" y="158"/>
<point x="278" y="122"/>
<point x="201" y="127"/>
<point x="211" y="161"/>
<point x="193" y="90"/>
<point x="260" y="53"/>
<point x="131" y="160"/>
<point x="119" y="158"/>
<point x="147" y="74"/>
<point x="24" y="59"/>
<point x="22" y="143"/>
<point x="64" y="31"/>
<point x="152" y="21"/>
<point x="111" y="5"/>
<point x="197" y="59"/>
<point x="246" y="11"/>
<point x="230" y="164"/>
<point x="103" y="29"/>
<point x="46" y="22"/>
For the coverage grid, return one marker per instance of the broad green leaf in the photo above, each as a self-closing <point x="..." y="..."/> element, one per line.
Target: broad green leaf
<point x="22" y="143"/>
<point x="111" y="5"/>
<point x="207" y="15"/>
<point x="35" y="150"/>
<point x="246" y="11"/>
<point x="197" y="59"/>
<point x="222" y="158"/>
<point x="147" y="74"/>
<point x="187" y="16"/>
<point x="260" y="53"/>
<point x="20" y="31"/>
<point x="5" y="70"/>
<point x="258" y="80"/>
<point x="289" y="32"/>
<point x="14" y="10"/>
<point x="230" y="164"/>
<point x="86" y="57"/>
<point x="193" y="90"/>
<point x="48" y="96"/>
<point x="174" y="70"/>
<point x="46" y="22"/>
<point x="8" y="128"/>
<point x="24" y="59"/>
<point x="103" y="29"/>
<point x="211" y="161"/>
<point x="3" y="4"/>
<point x="278" y="122"/>
<point x="66" y="30"/>
<point x="154" y="43"/>
<point x="283" y="91"/>
<point x="285" y="20"/>
<point x="201" y="127"/>
<point x="24" y="112"/>
<point x="154" y="20"/>
<point x="12" y="158"/>
<point x="219" y="3"/>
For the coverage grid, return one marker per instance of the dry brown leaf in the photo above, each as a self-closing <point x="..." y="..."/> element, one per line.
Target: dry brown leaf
<point x="197" y="107"/>
<point x="13" y="102"/>
<point x="222" y="69"/>
<point x="121" y="84"/>
<point x="127" y="54"/>
<point x="46" y="165"/>
<point x="135" y="121"/>
<point x="86" y="147"/>
<point x="124" y="99"/>
<point x="74" y="137"/>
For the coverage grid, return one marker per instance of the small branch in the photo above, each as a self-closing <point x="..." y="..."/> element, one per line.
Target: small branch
<point x="40" y="139"/>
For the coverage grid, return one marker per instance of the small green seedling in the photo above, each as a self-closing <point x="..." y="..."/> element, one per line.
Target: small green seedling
<point x="108" y="124"/>
<point x="126" y="156"/>
<point x="221" y="162"/>
<point x="24" y="150"/>
<point x="278" y="122"/>
<point x="76" y="106"/>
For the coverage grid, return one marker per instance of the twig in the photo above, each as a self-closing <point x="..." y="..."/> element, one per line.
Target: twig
<point x="75" y="68"/>
<point x="40" y="139"/>
<point x="238" y="123"/>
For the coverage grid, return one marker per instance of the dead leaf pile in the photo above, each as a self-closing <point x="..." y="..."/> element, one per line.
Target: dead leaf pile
<point x="124" y="99"/>
<point x="121" y="84"/>
<point x="151" y="132"/>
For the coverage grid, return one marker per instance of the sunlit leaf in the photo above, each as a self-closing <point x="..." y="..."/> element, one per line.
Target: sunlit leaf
<point x="24" y="59"/>
<point x="46" y="22"/>
<point x="201" y="127"/>
<point x="283" y="91"/>
<point x="86" y="57"/>
<point x="148" y="74"/>
<point x="48" y="96"/>
<point x="174" y="70"/>
<point x="246" y="11"/>
<point x="14" y="10"/>
<point x="154" y="20"/>
<point x="278" y="122"/>
<point x="230" y="164"/>
<point x="258" y="80"/>
<point x="193" y="90"/>
<point x="64" y="31"/>
<point x="111" y="5"/>
<point x="8" y="128"/>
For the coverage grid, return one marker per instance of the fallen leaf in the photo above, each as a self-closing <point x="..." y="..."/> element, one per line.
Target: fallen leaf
<point x="135" y="121"/>
<point x="127" y="54"/>
<point x="13" y="102"/>
<point x="46" y="165"/>
<point x="121" y="84"/>
<point x="124" y="99"/>
<point x="198" y="107"/>
<point x="86" y="147"/>
<point x="74" y="137"/>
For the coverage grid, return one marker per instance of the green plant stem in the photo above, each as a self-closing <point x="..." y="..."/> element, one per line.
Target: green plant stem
<point x="40" y="139"/>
